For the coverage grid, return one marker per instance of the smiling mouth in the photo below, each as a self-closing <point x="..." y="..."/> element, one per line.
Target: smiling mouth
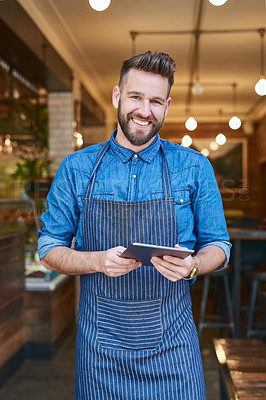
<point x="141" y="122"/>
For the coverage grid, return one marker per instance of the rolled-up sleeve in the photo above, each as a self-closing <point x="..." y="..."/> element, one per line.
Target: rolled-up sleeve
<point x="210" y="224"/>
<point x="61" y="217"/>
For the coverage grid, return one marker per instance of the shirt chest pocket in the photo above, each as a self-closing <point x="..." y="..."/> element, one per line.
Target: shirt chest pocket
<point x="183" y="208"/>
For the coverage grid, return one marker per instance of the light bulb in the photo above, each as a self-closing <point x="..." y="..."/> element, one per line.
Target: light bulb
<point x="205" y="152"/>
<point x="186" y="141"/>
<point x="235" y="122"/>
<point x="16" y="94"/>
<point x="214" y="146"/>
<point x="99" y="5"/>
<point x="79" y="141"/>
<point x="260" y="87"/>
<point x="217" y="2"/>
<point x="197" y="89"/>
<point x="7" y="141"/>
<point x="220" y="139"/>
<point x="191" y="124"/>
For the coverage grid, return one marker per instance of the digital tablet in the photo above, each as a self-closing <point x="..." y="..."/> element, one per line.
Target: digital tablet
<point x="144" y="252"/>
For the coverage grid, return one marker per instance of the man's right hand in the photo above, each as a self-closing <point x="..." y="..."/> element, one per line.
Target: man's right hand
<point x="72" y="262"/>
<point x="111" y="264"/>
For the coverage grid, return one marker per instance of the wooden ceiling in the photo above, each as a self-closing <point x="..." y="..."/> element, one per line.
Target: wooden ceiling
<point x="93" y="45"/>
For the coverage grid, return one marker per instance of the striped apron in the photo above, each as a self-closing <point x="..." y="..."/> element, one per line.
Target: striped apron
<point x="136" y="335"/>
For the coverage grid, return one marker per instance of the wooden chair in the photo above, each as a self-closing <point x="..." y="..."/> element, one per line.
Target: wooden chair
<point x="257" y="277"/>
<point x="214" y="320"/>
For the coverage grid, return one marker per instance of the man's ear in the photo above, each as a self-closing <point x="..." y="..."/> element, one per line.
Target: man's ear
<point x="116" y="96"/>
<point x="168" y="103"/>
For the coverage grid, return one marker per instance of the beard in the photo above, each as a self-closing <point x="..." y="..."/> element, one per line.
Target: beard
<point x="136" y="136"/>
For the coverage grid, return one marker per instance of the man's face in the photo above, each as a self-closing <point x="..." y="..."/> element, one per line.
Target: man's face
<point x="142" y="105"/>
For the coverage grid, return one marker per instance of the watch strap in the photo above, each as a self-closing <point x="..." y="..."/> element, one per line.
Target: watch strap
<point x="193" y="274"/>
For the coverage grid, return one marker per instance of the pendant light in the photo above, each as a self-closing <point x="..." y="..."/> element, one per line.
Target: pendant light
<point x="99" y="5"/>
<point x="191" y="124"/>
<point x="217" y="2"/>
<point x="260" y="87"/>
<point x="220" y="138"/>
<point x="186" y="141"/>
<point x="197" y="89"/>
<point x="234" y="122"/>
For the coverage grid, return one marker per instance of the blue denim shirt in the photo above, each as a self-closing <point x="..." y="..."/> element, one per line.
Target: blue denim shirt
<point x="127" y="176"/>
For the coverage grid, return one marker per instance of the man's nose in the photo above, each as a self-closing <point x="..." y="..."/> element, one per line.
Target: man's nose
<point x="145" y="109"/>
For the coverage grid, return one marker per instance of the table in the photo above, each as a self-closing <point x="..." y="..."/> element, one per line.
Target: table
<point x="237" y="236"/>
<point x="242" y="368"/>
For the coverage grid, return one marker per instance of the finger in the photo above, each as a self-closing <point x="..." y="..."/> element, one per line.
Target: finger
<point x="180" y="247"/>
<point x="127" y="261"/>
<point x="165" y="262"/>
<point x="159" y="262"/>
<point x="119" y="270"/>
<point x="170" y="275"/>
<point x="176" y="261"/>
<point x="134" y="265"/>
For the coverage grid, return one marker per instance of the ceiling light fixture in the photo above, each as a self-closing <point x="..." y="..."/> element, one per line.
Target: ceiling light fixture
<point x="186" y="141"/>
<point x="234" y="122"/>
<point x="217" y="2"/>
<point x="260" y="87"/>
<point x="197" y="89"/>
<point x="220" y="139"/>
<point x="99" y="5"/>
<point x="205" y="152"/>
<point x="214" y="145"/>
<point x="191" y="124"/>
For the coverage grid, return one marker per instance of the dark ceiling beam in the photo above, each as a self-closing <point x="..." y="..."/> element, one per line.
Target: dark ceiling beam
<point x="24" y="49"/>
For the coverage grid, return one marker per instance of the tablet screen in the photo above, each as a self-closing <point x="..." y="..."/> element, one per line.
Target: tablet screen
<point x="144" y="252"/>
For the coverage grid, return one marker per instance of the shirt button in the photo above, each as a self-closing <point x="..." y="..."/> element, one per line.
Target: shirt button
<point x="181" y="200"/>
<point x="134" y="176"/>
<point x="135" y="155"/>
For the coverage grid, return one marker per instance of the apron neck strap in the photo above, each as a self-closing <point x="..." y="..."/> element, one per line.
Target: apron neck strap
<point x="167" y="189"/>
<point x="165" y="172"/>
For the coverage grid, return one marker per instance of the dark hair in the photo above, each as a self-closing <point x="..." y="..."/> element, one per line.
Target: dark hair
<point x="158" y="63"/>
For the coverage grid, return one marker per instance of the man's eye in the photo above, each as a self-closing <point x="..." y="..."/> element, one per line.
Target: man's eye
<point x="135" y="97"/>
<point x="157" y="102"/>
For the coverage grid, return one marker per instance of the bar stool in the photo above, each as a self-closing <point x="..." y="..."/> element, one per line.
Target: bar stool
<point x="257" y="276"/>
<point x="214" y="321"/>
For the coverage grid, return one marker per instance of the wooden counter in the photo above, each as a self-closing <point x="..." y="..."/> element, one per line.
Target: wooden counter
<point x="48" y="316"/>
<point x="12" y="283"/>
<point x="34" y="318"/>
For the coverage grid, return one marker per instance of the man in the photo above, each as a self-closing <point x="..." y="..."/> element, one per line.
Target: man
<point x="136" y="335"/>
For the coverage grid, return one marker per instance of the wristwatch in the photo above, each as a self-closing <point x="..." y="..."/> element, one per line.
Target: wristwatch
<point x="193" y="274"/>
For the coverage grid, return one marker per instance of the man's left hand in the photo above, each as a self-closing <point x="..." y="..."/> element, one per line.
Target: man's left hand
<point x="173" y="268"/>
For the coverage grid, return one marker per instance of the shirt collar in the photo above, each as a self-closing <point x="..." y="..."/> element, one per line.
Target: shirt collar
<point x="125" y="154"/>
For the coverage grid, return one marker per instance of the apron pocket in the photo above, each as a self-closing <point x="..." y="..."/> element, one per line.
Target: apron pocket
<point x="129" y="324"/>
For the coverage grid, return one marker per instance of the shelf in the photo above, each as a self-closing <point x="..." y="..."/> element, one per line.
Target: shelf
<point x="38" y="284"/>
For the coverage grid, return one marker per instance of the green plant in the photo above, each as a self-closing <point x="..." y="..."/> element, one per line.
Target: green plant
<point x="30" y="168"/>
<point x="19" y="119"/>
